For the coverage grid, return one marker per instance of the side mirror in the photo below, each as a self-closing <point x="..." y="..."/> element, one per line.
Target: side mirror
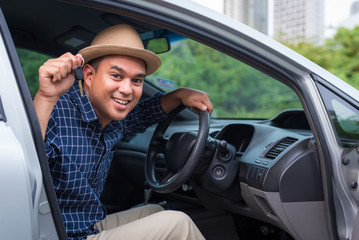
<point x="157" y="45"/>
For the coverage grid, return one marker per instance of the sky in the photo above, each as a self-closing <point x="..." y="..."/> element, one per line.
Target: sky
<point x="335" y="10"/>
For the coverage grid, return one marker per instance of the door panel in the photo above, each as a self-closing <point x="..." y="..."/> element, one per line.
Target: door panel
<point x="23" y="155"/>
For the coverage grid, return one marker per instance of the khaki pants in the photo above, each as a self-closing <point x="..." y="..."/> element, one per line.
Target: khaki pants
<point x="147" y="222"/>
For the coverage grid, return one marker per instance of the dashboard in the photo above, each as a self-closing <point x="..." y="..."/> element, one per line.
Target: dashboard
<point x="272" y="171"/>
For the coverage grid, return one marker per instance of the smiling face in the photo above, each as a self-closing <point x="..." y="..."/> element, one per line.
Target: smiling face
<point x="115" y="86"/>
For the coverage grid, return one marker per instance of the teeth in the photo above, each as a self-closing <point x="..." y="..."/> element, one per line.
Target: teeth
<point x="121" y="101"/>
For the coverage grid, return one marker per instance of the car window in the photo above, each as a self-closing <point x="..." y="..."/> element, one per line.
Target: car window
<point x="236" y="89"/>
<point x="30" y="62"/>
<point x="348" y="117"/>
<point x="344" y="117"/>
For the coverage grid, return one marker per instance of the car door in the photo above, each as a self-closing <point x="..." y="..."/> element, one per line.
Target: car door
<point x="337" y="206"/>
<point x="343" y="113"/>
<point x="28" y="205"/>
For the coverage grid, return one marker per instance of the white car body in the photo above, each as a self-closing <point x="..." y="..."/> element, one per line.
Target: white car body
<point x="25" y="209"/>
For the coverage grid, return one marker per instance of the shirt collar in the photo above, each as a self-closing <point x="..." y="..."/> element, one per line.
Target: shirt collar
<point x="88" y="113"/>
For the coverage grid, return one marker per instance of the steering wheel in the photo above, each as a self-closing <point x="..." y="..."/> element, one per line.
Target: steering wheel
<point x="181" y="153"/>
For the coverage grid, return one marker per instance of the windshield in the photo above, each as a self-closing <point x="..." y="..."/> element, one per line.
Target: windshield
<point x="236" y="89"/>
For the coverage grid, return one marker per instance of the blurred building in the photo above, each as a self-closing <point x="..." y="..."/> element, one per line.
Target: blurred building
<point x="289" y="21"/>
<point x="354" y="8"/>
<point x="353" y="20"/>
<point x="253" y="13"/>
<point x="298" y="20"/>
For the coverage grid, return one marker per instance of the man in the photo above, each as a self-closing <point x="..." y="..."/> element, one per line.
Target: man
<point x="81" y="126"/>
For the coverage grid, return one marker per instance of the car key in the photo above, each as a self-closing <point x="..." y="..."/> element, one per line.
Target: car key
<point x="79" y="76"/>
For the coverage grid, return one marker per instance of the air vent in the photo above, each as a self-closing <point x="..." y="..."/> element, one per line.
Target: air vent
<point x="280" y="147"/>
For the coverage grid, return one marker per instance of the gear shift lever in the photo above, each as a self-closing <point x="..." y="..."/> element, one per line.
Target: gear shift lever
<point x="147" y="193"/>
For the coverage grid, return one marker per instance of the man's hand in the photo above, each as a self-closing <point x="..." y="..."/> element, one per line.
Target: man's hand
<point x="195" y="99"/>
<point x="56" y="75"/>
<point x="55" y="78"/>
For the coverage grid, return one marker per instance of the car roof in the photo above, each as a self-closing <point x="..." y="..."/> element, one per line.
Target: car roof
<point x="72" y="26"/>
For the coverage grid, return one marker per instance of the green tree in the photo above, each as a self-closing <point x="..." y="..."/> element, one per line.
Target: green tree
<point x="345" y="49"/>
<point x="31" y="61"/>
<point x="236" y="89"/>
<point x="339" y="54"/>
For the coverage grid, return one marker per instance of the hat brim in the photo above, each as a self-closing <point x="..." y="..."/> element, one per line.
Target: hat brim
<point x="153" y="62"/>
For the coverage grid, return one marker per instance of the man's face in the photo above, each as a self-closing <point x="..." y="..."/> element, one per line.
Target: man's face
<point x="115" y="87"/>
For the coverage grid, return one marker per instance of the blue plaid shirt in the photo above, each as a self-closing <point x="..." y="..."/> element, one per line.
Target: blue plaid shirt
<point x="80" y="153"/>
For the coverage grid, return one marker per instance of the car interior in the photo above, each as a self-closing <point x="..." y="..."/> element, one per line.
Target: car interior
<point x="254" y="171"/>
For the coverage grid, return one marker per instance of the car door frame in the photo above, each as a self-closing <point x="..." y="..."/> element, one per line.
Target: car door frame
<point x="46" y="217"/>
<point x="250" y="47"/>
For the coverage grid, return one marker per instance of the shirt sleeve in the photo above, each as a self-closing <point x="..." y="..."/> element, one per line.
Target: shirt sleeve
<point x="145" y="114"/>
<point x="51" y="142"/>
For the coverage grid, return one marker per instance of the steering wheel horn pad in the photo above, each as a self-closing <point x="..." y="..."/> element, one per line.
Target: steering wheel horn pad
<point x="182" y="152"/>
<point x="178" y="149"/>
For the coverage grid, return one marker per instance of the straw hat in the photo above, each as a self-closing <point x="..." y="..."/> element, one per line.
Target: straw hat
<point x="124" y="40"/>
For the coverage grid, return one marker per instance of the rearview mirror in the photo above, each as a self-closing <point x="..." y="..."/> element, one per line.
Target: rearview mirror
<point x="157" y="45"/>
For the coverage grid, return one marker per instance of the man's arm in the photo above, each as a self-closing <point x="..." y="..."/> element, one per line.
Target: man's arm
<point x="191" y="98"/>
<point x="55" y="78"/>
